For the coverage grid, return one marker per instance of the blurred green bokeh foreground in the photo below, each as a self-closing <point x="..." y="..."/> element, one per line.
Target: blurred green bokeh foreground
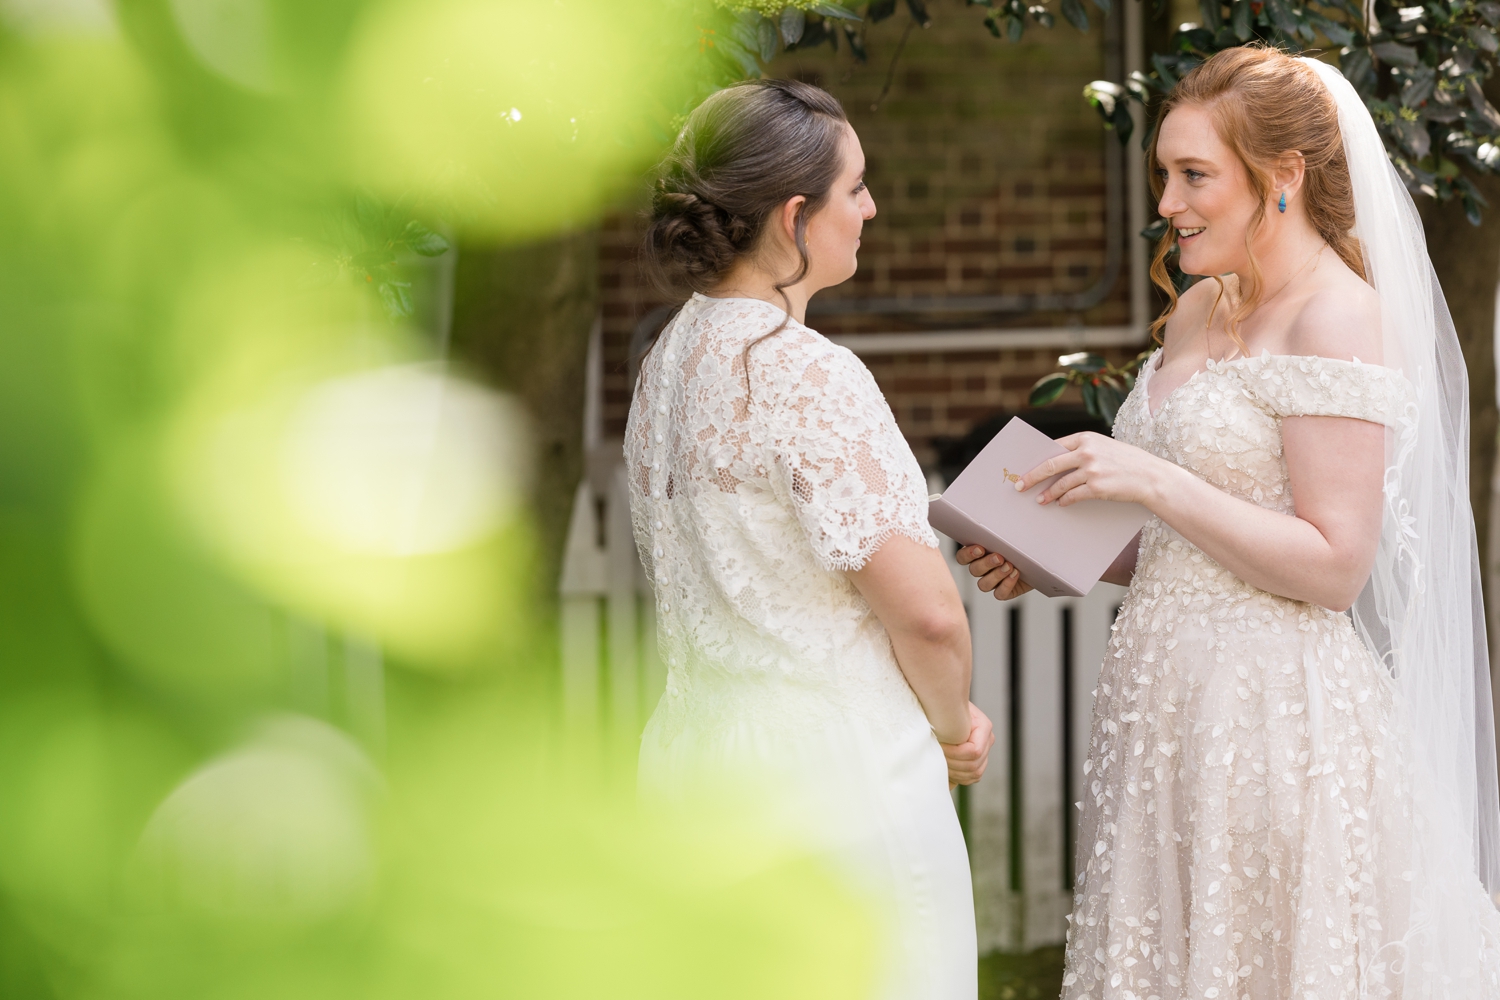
<point x="274" y="717"/>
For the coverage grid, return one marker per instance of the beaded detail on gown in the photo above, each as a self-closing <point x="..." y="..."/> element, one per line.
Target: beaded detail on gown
<point x="750" y="495"/>
<point x="1248" y="825"/>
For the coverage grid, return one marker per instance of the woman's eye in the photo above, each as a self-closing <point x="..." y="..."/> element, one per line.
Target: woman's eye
<point x="1194" y="175"/>
<point x="859" y="187"/>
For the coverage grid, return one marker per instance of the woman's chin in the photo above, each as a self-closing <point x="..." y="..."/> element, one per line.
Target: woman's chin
<point x="1196" y="263"/>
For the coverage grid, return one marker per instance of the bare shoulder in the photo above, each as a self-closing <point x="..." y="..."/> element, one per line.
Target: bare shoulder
<point x="1341" y="319"/>
<point x="1195" y="307"/>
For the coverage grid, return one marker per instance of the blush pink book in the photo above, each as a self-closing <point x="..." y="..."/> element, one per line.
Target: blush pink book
<point x="1061" y="551"/>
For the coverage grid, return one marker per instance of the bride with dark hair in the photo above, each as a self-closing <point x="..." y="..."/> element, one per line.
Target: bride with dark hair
<point x="1290" y="790"/>
<point x="817" y="652"/>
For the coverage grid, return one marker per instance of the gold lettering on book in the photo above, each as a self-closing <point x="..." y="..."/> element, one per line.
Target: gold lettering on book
<point x="1011" y="477"/>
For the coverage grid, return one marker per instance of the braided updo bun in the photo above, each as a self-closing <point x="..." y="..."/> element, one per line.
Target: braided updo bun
<point x="743" y="154"/>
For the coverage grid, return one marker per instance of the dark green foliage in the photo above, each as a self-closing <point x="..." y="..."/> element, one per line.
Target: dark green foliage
<point x="762" y="37"/>
<point x="1034" y="975"/>
<point x="1104" y="386"/>
<point x="1420" y="70"/>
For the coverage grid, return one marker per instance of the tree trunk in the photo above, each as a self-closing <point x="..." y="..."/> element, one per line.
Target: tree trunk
<point x="522" y="316"/>
<point x="1467" y="261"/>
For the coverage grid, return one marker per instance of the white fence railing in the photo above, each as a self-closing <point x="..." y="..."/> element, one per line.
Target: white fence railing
<point x="1036" y="661"/>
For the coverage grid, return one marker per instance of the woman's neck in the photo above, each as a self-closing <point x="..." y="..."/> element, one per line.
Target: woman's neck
<point x="749" y="282"/>
<point x="1282" y="260"/>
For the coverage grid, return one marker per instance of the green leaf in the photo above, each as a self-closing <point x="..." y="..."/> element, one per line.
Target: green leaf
<point x="1103" y="5"/>
<point x="1332" y="30"/>
<point x="1484" y="38"/>
<point x="1157" y="229"/>
<point x="1076" y="15"/>
<point x="1210" y="10"/>
<point x="793" y="21"/>
<point x="1355" y="65"/>
<point x="397" y="297"/>
<point x="1164" y="71"/>
<point x="767" y="39"/>
<point x="1109" y="400"/>
<point x="1047" y="389"/>
<point x="370" y="214"/>
<point x="1091" y="400"/>
<point x="1014" y="27"/>
<point x="1490" y="11"/>
<point x="1413" y="136"/>
<point x="419" y="239"/>
<point x="1471" y="210"/>
<point x="1282" y="16"/>
<point x="834" y="10"/>
<point x="1393" y="53"/>
<point x="1104" y="95"/>
<point x="1141" y="85"/>
<point x="879" y="10"/>
<point x="856" y="43"/>
<point x="919" y="13"/>
<point x="1241" y="16"/>
<point x="1041" y="15"/>
<point x="746" y="59"/>
<point x="1122" y="122"/>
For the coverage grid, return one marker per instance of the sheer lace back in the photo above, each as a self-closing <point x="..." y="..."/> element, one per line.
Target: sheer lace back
<point x="749" y="493"/>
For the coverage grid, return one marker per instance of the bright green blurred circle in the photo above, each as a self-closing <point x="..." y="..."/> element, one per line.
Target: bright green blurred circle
<point x="520" y="116"/>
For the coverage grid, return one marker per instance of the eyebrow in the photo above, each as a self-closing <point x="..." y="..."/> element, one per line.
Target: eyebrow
<point x="1192" y="159"/>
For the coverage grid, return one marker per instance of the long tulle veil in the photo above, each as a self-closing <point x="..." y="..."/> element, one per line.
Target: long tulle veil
<point x="1422" y="610"/>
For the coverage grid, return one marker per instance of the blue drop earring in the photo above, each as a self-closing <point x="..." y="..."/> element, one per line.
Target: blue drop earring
<point x="1281" y="205"/>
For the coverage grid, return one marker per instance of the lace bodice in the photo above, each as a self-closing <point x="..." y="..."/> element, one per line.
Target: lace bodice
<point x="1248" y="827"/>
<point x="1224" y="423"/>
<point x="750" y="493"/>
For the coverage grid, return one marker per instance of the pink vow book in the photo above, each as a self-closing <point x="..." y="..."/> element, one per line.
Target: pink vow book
<point x="1061" y="551"/>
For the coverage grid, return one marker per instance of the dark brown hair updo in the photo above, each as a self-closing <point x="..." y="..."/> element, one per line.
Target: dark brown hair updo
<point x="1264" y="104"/>
<point x="743" y="154"/>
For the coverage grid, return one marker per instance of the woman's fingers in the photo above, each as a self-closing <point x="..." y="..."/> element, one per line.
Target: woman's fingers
<point x="986" y="565"/>
<point x="1071" y="481"/>
<point x="1011" y="586"/>
<point x="1002" y="581"/>
<point x="969" y="553"/>
<point x="1054" y="465"/>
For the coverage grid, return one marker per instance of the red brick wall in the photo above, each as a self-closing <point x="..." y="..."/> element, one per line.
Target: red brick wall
<point x="988" y="173"/>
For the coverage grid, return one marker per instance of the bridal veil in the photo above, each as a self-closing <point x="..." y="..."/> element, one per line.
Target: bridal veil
<point x="1422" y="611"/>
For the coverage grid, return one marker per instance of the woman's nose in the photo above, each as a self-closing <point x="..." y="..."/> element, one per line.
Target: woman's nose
<point x="1170" y="204"/>
<point x="866" y="205"/>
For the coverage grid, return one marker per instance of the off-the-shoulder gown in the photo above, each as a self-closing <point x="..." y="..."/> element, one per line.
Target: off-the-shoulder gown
<point x="1249" y="830"/>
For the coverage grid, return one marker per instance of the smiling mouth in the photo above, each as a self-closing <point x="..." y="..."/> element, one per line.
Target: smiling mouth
<point x="1189" y="232"/>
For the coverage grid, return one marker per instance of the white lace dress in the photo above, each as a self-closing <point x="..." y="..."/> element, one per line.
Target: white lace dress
<point x="749" y="500"/>
<point x="1249" y="827"/>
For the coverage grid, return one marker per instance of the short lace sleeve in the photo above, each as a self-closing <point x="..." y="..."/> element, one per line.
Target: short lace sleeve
<point x="850" y="475"/>
<point x="1298" y="386"/>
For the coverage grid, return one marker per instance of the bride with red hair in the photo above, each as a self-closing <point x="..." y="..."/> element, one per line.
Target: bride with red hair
<point x="1290" y="790"/>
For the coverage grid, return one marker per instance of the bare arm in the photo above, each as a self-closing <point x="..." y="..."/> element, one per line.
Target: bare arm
<point x="1321" y="554"/>
<point x="909" y="588"/>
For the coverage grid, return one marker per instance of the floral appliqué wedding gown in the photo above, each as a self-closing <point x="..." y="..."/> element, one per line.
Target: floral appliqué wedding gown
<point x="1249" y="828"/>
<point x="750" y="496"/>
